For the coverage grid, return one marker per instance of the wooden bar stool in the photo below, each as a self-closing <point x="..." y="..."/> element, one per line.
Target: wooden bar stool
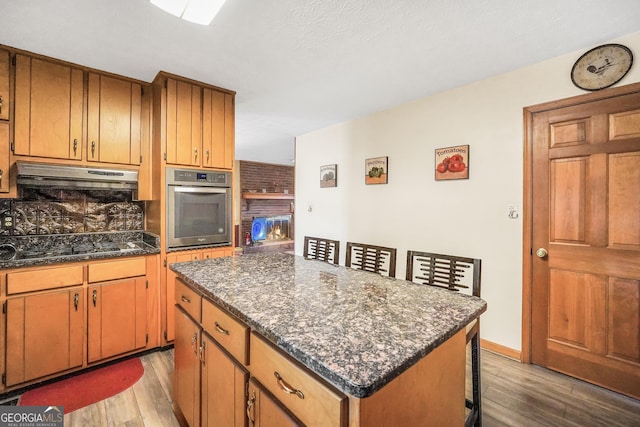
<point x="377" y="259"/>
<point x="448" y="271"/>
<point x="321" y="249"/>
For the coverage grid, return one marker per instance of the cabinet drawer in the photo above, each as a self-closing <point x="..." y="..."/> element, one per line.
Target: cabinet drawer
<point x="188" y="299"/>
<point x="230" y="332"/>
<point x="47" y="278"/>
<point x="101" y="272"/>
<point x="317" y="403"/>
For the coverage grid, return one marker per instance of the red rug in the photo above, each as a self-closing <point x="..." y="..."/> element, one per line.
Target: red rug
<point x="85" y="389"/>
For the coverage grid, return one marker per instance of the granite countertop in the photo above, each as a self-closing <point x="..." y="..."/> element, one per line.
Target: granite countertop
<point x="358" y="330"/>
<point x="145" y="244"/>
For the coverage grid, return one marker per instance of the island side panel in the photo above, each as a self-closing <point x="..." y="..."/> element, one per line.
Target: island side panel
<point x="430" y="393"/>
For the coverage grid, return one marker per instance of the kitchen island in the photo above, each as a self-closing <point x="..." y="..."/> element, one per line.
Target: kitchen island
<point x="394" y="348"/>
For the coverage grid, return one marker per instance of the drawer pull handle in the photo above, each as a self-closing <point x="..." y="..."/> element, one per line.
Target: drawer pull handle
<point x="76" y="300"/>
<point x="286" y="387"/>
<point x="221" y="329"/>
<point x="194" y="344"/>
<point x="185" y="299"/>
<point x="95" y="297"/>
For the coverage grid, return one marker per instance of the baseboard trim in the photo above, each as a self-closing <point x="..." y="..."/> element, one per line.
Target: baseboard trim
<point x="501" y="349"/>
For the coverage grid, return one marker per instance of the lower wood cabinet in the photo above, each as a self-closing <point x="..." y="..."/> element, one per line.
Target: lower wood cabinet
<point x="186" y="376"/>
<point x="223" y="388"/>
<point x="183" y="256"/>
<point x="265" y="411"/>
<point x="44" y="334"/>
<point x="116" y="318"/>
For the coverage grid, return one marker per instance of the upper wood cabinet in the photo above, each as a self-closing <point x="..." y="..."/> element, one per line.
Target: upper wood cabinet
<point x="113" y="120"/>
<point x="184" y="123"/>
<point x="197" y="122"/>
<point x="218" y="129"/>
<point x="4" y="85"/>
<point x="48" y="109"/>
<point x="4" y="157"/>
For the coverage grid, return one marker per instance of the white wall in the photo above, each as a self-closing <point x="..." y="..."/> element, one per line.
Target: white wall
<point x="413" y="211"/>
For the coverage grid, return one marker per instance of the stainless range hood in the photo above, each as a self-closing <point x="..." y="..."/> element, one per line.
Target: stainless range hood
<point x="77" y="177"/>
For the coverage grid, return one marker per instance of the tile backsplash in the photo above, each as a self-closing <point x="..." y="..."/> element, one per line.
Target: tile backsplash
<point x="60" y="211"/>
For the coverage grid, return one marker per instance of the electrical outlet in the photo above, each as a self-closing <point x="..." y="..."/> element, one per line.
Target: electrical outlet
<point x="513" y="212"/>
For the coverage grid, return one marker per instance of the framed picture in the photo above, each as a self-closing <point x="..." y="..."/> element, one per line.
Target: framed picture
<point x="328" y="176"/>
<point x="376" y="170"/>
<point x="452" y="163"/>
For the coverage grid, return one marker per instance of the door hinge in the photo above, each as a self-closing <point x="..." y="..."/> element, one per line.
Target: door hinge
<point x="13" y="146"/>
<point x="4" y="379"/>
<point x="164" y="156"/>
<point x="146" y="339"/>
<point x="165" y="335"/>
<point x="4" y="307"/>
<point x="164" y="263"/>
<point x="146" y="284"/>
<point x="13" y="60"/>
<point x="140" y="159"/>
<point x="142" y="90"/>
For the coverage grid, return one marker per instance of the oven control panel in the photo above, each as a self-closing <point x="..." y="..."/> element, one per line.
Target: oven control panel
<point x="187" y="176"/>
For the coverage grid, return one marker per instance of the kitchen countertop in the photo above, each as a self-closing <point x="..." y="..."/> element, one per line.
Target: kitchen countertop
<point x="145" y="244"/>
<point x="358" y="330"/>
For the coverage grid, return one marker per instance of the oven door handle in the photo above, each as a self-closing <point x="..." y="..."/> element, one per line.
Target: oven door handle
<point x="200" y="190"/>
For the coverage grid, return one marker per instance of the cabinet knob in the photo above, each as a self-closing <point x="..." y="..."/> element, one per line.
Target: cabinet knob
<point x="541" y="253"/>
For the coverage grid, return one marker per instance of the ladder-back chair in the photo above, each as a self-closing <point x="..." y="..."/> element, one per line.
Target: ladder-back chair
<point x="321" y="249"/>
<point x="377" y="259"/>
<point x="454" y="273"/>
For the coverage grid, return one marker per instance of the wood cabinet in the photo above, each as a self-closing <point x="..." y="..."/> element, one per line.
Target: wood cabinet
<point x="209" y="384"/>
<point x="48" y="109"/>
<point x="185" y="256"/>
<point x="186" y="377"/>
<point x="116" y="308"/>
<point x="265" y="411"/>
<point x="63" y="318"/>
<point x="44" y="334"/>
<point x="5" y="98"/>
<point x="218" y="129"/>
<point x="113" y="120"/>
<point x="4" y="157"/>
<point x="198" y="123"/>
<point x="223" y="387"/>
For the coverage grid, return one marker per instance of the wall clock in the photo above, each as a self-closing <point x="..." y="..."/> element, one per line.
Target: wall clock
<point x="601" y="67"/>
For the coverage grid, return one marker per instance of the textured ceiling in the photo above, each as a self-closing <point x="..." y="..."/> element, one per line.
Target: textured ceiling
<point x="300" y="65"/>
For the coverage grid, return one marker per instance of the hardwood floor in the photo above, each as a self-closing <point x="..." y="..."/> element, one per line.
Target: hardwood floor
<point x="513" y="394"/>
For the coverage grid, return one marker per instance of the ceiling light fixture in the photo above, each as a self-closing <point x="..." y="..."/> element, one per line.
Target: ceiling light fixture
<point x="197" y="11"/>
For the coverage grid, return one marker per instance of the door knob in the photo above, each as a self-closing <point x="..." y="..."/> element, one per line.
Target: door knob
<point x="541" y="253"/>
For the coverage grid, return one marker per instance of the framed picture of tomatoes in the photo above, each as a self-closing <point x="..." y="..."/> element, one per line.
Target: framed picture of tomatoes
<point x="452" y="163"/>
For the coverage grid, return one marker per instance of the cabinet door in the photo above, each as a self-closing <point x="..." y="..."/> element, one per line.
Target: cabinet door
<point x="48" y="109"/>
<point x="4" y="157"/>
<point x="4" y="85"/>
<point x="265" y="411"/>
<point x="44" y="334"/>
<point x="117" y="318"/>
<point x="186" y="375"/>
<point x="171" y="291"/>
<point x="224" y="383"/>
<point x="184" y="123"/>
<point x="218" y="129"/>
<point x="113" y="120"/>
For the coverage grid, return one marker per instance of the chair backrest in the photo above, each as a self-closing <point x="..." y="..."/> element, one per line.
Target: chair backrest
<point x="322" y="249"/>
<point x="444" y="271"/>
<point x="377" y="259"/>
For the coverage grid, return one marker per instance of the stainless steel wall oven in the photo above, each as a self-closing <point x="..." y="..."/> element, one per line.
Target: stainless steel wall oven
<point x="198" y="208"/>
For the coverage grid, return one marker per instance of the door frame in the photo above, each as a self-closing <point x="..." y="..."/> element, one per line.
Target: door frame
<point x="527" y="194"/>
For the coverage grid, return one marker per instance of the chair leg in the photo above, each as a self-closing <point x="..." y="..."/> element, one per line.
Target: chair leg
<point x="475" y="371"/>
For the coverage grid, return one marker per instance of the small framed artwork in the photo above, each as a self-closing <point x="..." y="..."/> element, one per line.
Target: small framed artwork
<point x="452" y="163"/>
<point x="376" y="170"/>
<point x="328" y="176"/>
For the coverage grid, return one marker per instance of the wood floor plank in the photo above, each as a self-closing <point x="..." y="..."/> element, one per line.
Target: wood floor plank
<point x="152" y="397"/>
